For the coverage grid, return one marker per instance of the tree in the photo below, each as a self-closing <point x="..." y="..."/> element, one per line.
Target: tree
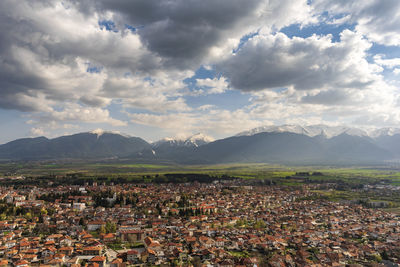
<point x="260" y="224"/>
<point x="43" y="211"/>
<point x="111" y="227"/>
<point x="82" y="221"/>
<point x="102" y="230"/>
<point x="28" y="216"/>
<point x="196" y="261"/>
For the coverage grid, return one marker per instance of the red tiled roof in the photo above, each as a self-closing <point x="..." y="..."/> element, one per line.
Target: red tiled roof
<point x="98" y="259"/>
<point x="132" y="252"/>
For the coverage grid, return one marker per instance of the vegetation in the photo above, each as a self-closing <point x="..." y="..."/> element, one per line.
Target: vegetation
<point x="349" y="182"/>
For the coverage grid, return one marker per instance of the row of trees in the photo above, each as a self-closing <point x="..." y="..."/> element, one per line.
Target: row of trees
<point x="8" y="210"/>
<point x="110" y="227"/>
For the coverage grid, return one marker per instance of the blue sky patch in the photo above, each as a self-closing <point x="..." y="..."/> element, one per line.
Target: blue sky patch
<point x="108" y="25"/>
<point x="295" y="30"/>
<point x="244" y="40"/>
<point x="93" y="69"/>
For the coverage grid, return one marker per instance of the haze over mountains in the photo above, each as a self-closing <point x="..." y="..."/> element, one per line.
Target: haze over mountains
<point x="286" y="144"/>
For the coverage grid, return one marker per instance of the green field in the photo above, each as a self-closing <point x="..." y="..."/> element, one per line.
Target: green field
<point x="356" y="175"/>
<point x="348" y="181"/>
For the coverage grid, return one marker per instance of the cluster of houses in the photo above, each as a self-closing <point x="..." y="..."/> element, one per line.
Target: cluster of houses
<point x="217" y="224"/>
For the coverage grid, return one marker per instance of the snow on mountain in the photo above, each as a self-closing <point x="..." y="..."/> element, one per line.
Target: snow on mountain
<point x="168" y="141"/>
<point x="384" y="132"/>
<point x="275" y="129"/>
<point x="198" y="139"/>
<point x="192" y="141"/>
<point x="311" y="130"/>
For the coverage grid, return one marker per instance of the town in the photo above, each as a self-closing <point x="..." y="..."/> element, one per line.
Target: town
<point x="222" y="223"/>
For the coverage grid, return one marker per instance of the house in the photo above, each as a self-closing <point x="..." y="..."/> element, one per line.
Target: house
<point x="117" y="263"/>
<point x="79" y="206"/>
<point x="66" y="250"/>
<point x="94" y="225"/>
<point x="21" y="263"/>
<point x="72" y="262"/>
<point x="55" y="262"/>
<point x="55" y="238"/>
<point x="148" y="256"/>
<point x="10" y="244"/>
<point x="92" y="251"/>
<point x="131" y="235"/>
<point x="132" y="256"/>
<point x="48" y="252"/>
<point x="59" y="256"/>
<point x="30" y="257"/>
<point x="108" y="237"/>
<point x="100" y="260"/>
<point x="219" y="242"/>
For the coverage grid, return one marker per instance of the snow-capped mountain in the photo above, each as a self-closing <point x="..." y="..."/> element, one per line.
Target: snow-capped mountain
<point x="311" y="130"/>
<point x="198" y="139"/>
<point x="287" y="144"/>
<point x="384" y="132"/>
<point x="192" y="141"/>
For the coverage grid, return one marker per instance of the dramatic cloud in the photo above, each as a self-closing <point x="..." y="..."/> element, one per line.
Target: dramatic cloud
<point x="378" y="20"/>
<point x="189" y="66"/>
<point x="52" y="56"/>
<point x="184" y="32"/>
<point x="274" y="61"/>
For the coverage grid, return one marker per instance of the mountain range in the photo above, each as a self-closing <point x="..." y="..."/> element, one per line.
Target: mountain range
<point x="285" y="144"/>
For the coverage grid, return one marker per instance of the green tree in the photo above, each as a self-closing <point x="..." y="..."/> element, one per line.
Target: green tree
<point x="260" y="224"/>
<point x="43" y="211"/>
<point x="102" y="230"/>
<point x="111" y="227"/>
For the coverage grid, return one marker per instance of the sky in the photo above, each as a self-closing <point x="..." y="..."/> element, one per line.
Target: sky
<point x="174" y="68"/>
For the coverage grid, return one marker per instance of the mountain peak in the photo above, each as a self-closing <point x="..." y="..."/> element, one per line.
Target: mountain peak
<point x="310" y="130"/>
<point x="195" y="140"/>
<point x="388" y="131"/>
<point x="200" y="137"/>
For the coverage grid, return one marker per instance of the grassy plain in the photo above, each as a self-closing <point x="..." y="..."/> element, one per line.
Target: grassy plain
<point x="277" y="173"/>
<point x="353" y="175"/>
<point x="349" y="181"/>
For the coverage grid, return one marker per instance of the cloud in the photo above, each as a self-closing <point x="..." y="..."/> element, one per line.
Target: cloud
<point x="53" y="57"/>
<point x="72" y="62"/>
<point x="378" y="20"/>
<point x="213" y="86"/>
<point x="185" y="32"/>
<point x="95" y="101"/>
<point x="275" y="61"/>
<point x="388" y="63"/>
<point x="73" y="113"/>
<point x="50" y="49"/>
<point x="159" y="93"/>
<point x="377" y="106"/>
<point x="37" y="132"/>
<point x="216" y="122"/>
<point x="328" y="97"/>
